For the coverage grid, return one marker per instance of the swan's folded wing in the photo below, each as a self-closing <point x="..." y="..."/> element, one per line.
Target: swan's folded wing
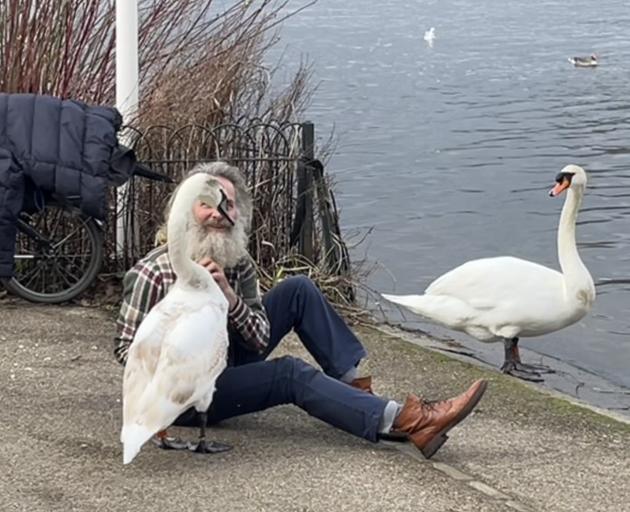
<point x="488" y="282"/>
<point x="142" y="362"/>
<point x="135" y="382"/>
<point x="192" y="356"/>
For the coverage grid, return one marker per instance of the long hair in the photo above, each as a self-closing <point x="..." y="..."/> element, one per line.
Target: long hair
<point x="242" y="196"/>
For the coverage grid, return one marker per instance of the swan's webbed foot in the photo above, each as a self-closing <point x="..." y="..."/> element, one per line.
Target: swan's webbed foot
<point x="170" y="443"/>
<point x="204" y="446"/>
<point x="513" y="366"/>
<point x="521" y="371"/>
<point x="538" y="368"/>
<point x="175" y="443"/>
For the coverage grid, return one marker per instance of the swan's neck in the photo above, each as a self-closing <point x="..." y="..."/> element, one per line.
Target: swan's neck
<point x="576" y="276"/>
<point x="179" y="223"/>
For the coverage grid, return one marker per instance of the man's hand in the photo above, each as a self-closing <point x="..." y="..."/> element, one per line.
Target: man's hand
<point x="219" y="276"/>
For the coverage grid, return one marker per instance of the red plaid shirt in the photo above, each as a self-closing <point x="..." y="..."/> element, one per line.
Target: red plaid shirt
<point x="151" y="278"/>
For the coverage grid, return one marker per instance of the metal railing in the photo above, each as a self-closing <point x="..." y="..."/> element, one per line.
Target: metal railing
<point x="294" y="208"/>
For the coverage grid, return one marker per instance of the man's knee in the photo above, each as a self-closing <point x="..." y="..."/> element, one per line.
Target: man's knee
<point x="292" y="376"/>
<point x="289" y="366"/>
<point x="301" y="283"/>
<point x="294" y="370"/>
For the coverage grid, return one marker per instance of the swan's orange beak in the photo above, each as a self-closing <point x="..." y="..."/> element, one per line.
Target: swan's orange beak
<point x="560" y="187"/>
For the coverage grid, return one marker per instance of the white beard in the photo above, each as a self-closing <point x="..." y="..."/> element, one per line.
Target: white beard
<point x="225" y="248"/>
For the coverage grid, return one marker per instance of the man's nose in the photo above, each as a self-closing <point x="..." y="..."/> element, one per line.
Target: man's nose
<point x="215" y="214"/>
<point x="207" y="215"/>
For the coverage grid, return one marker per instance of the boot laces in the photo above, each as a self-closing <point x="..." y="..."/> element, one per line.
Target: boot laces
<point x="432" y="404"/>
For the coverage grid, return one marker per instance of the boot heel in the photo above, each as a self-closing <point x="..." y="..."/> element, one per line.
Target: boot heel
<point x="433" y="445"/>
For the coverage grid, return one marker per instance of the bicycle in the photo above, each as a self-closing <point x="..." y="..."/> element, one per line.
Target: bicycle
<point x="59" y="250"/>
<point x="58" y="254"/>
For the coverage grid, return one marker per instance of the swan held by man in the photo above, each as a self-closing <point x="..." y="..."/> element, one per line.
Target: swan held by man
<point x="181" y="346"/>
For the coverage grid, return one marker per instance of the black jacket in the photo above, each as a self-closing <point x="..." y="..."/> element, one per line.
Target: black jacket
<point x="57" y="147"/>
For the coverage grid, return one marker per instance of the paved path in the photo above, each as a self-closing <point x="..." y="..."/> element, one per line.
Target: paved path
<point x="521" y="450"/>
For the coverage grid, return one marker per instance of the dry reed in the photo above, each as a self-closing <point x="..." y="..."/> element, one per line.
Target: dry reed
<point x="201" y="67"/>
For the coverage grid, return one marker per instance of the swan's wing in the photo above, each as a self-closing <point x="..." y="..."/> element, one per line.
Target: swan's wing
<point x="142" y="359"/>
<point x="193" y="355"/>
<point x="488" y="282"/>
<point x="496" y="298"/>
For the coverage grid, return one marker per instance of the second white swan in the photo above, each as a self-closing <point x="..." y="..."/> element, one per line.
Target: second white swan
<point x="504" y="298"/>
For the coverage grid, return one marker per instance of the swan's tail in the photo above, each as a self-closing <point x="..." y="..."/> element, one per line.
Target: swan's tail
<point x="411" y="302"/>
<point x="444" y="310"/>
<point x="133" y="437"/>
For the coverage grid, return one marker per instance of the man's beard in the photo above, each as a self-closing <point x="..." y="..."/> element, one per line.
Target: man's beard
<point x="225" y="247"/>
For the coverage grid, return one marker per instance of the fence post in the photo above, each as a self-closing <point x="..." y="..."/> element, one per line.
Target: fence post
<point x="305" y="190"/>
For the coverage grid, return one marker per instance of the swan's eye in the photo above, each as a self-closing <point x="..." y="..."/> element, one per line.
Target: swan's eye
<point x="561" y="177"/>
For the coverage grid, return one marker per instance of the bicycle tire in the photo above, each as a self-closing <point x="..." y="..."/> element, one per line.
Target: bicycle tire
<point x="95" y="239"/>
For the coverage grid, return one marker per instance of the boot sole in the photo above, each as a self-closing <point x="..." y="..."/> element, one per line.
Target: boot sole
<point x="440" y="438"/>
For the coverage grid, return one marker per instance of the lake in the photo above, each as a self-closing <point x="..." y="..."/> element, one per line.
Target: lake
<point x="447" y="152"/>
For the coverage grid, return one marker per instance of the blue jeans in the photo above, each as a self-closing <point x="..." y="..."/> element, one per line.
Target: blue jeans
<point x="254" y="383"/>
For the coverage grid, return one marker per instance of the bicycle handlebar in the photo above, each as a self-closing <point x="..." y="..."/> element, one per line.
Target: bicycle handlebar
<point x="145" y="171"/>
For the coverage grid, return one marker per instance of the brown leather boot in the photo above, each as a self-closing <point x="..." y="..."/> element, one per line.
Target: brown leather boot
<point x="426" y="423"/>
<point x="364" y="384"/>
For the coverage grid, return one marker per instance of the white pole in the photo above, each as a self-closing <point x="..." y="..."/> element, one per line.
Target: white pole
<point x="126" y="93"/>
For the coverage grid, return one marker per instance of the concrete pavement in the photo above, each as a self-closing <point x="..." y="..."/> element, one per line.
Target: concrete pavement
<point x="522" y="449"/>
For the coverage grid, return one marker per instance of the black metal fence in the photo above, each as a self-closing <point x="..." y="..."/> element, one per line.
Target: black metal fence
<point x="294" y="208"/>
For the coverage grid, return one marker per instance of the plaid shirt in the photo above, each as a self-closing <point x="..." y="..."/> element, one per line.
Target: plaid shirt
<point x="148" y="281"/>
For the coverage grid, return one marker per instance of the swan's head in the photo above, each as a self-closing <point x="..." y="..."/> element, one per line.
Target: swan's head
<point x="571" y="176"/>
<point x="210" y="194"/>
<point x="213" y="196"/>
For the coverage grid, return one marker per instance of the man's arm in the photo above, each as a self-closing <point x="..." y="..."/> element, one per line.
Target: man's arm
<point x="248" y="316"/>
<point x="142" y="289"/>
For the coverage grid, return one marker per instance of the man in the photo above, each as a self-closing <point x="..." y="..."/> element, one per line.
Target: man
<point x="251" y="382"/>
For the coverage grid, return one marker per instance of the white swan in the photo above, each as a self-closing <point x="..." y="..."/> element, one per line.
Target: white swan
<point x="504" y="298"/>
<point x="180" y="348"/>
<point x="429" y="36"/>
<point x="584" y="62"/>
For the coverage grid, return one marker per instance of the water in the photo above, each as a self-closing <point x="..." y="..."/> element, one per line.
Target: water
<point x="448" y="152"/>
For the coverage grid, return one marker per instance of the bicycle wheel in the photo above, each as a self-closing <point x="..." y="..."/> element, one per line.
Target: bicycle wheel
<point x="58" y="255"/>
